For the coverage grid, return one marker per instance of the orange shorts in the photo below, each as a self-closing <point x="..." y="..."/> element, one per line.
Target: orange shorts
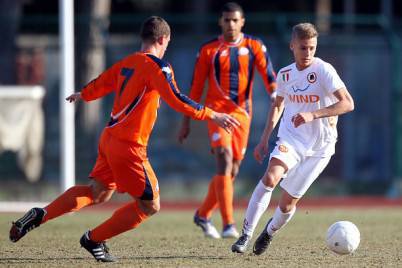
<point x="237" y="140"/>
<point x="124" y="166"/>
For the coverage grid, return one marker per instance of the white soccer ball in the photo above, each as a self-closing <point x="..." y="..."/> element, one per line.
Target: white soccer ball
<point x="343" y="237"/>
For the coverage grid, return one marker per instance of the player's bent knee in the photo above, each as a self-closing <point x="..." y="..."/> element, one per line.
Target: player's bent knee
<point x="149" y="207"/>
<point x="269" y="180"/>
<point x="100" y="193"/>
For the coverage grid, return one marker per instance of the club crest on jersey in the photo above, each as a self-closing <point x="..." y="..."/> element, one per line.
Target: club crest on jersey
<point x="285" y="75"/>
<point x="243" y="51"/>
<point x="283" y="148"/>
<point x="311" y="77"/>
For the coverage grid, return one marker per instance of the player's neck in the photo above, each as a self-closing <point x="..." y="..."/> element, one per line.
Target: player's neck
<point x="302" y="67"/>
<point x="232" y="41"/>
<point x="150" y="49"/>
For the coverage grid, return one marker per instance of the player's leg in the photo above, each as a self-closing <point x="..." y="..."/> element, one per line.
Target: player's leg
<point x="230" y="230"/>
<point x="218" y="193"/>
<point x="295" y="185"/>
<point x="259" y="202"/>
<point x="73" y="199"/>
<point x="238" y="145"/>
<point x="224" y="183"/>
<point x="219" y="138"/>
<point x="99" y="190"/>
<point x="135" y="176"/>
<point x="282" y="215"/>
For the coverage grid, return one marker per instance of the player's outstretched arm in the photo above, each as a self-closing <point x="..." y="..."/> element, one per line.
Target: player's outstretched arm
<point x="74" y="97"/>
<point x="261" y="150"/>
<point x="225" y="121"/>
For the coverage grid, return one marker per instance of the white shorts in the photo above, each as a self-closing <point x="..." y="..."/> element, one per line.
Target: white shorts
<point x="302" y="170"/>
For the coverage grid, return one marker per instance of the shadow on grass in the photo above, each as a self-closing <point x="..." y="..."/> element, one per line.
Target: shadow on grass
<point x="195" y="257"/>
<point x="43" y="260"/>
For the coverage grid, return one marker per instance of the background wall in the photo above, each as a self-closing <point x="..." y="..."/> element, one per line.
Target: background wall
<point x="362" y="39"/>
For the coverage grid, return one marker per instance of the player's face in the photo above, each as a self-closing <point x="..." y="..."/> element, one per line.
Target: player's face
<point x="231" y="24"/>
<point x="303" y="51"/>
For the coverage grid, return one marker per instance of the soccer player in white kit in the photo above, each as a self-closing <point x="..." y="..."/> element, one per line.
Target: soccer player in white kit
<point x="311" y="96"/>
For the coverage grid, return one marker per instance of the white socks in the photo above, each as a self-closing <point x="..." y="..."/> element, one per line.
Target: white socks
<point x="257" y="205"/>
<point x="279" y="220"/>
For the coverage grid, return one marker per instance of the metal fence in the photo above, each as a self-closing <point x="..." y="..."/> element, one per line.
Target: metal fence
<point x="366" y="54"/>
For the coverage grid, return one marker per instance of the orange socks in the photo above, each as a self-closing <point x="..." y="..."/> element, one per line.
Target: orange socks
<point x="220" y="192"/>
<point x="71" y="200"/>
<point x="210" y="202"/>
<point x="224" y="194"/>
<point x="125" y="218"/>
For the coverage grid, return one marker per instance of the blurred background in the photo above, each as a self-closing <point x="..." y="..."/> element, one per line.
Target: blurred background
<point x="361" y="39"/>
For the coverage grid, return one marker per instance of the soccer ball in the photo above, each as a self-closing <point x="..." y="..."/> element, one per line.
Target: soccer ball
<point x="343" y="237"/>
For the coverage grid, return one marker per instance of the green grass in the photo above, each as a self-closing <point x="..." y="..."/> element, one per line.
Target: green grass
<point x="170" y="239"/>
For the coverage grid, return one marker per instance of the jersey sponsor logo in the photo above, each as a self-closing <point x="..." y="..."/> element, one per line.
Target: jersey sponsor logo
<point x="283" y="148"/>
<point x="216" y="136"/>
<point x="243" y="51"/>
<point x="303" y="98"/>
<point x="295" y="89"/>
<point x="311" y="77"/>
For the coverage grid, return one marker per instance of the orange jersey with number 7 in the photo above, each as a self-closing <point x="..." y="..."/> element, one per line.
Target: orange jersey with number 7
<point x="138" y="82"/>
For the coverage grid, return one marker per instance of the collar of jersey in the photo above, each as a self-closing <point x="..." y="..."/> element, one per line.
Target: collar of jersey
<point x="232" y="44"/>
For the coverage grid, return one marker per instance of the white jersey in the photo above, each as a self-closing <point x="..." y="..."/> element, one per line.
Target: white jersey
<point x="305" y="91"/>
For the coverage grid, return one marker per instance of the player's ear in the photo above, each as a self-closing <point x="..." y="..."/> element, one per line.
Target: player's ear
<point x="160" y="40"/>
<point x="291" y="45"/>
<point x="243" y="21"/>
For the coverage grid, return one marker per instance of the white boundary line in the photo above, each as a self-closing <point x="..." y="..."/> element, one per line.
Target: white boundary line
<point x="19" y="206"/>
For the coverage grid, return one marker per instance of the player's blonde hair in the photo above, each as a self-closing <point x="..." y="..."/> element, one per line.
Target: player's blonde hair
<point x="304" y="30"/>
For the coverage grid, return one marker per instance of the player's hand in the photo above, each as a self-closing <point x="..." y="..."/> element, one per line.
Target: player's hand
<point x="261" y="151"/>
<point x="225" y="121"/>
<point x="74" y="97"/>
<point x="302" y="118"/>
<point x="184" y="130"/>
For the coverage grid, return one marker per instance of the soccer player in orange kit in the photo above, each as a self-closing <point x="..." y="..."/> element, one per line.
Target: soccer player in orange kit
<point x="138" y="82"/>
<point x="228" y="62"/>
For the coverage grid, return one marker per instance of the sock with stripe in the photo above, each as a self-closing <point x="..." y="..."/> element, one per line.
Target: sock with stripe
<point x="257" y="205"/>
<point x="125" y="218"/>
<point x="73" y="199"/>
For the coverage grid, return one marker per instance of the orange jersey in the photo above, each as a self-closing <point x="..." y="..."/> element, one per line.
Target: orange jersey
<point x="138" y="82"/>
<point x="229" y="68"/>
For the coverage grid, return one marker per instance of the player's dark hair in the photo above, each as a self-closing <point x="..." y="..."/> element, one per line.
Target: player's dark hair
<point x="304" y="30"/>
<point x="153" y="28"/>
<point x="232" y="7"/>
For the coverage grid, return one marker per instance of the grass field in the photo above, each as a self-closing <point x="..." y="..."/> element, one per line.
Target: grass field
<point x="170" y="239"/>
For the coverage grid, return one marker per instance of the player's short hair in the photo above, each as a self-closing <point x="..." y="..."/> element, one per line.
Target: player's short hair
<point x="153" y="28"/>
<point x="304" y="30"/>
<point x="232" y="7"/>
